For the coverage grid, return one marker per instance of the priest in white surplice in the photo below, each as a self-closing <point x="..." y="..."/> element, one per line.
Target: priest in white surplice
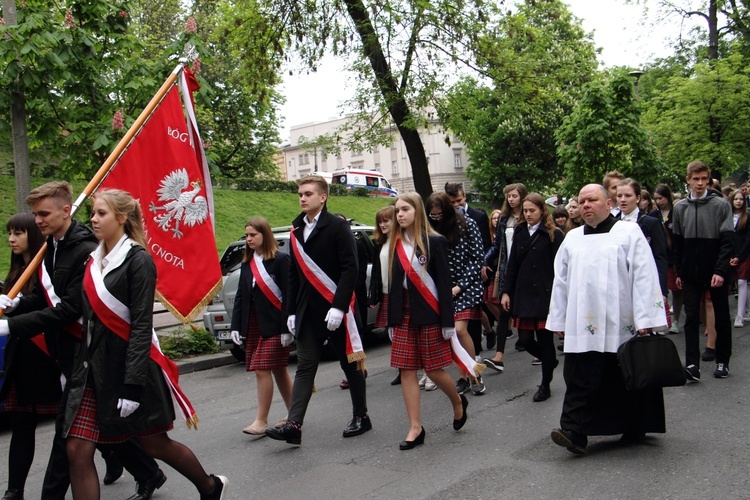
<point x="606" y="289"/>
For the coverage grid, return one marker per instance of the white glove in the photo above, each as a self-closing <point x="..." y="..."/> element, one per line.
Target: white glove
<point x="286" y="339"/>
<point x="235" y="336"/>
<point x="291" y="324"/>
<point x="334" y="317"/>
<point x="8" y="304"/>
<point x="126" y="407"/>
<point x="63" y="381"/>
<point x="448" y="332"/>
<point x="4" y="330"/>
<point x="390" y="333"/>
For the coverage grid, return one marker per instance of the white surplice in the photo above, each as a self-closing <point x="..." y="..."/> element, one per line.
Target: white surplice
<point x="606" y="288"/>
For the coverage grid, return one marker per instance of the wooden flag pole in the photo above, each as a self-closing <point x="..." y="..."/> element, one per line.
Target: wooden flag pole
<point x="101" y="174"/>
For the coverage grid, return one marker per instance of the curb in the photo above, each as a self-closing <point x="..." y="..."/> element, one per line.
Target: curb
<point x="200" y="363"/>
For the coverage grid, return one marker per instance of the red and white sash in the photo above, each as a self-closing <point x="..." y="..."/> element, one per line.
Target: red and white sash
<point x="75" y="329"/>
<point x="327" y="288"/>
<point x="264" y="281"/>
<point x="116" y="317"/>
<point x="425" y="285"/>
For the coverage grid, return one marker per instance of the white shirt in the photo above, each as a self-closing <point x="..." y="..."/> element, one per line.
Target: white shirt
<point x="631" y="217"/>
<point x="309" y="226"/>
<point x="532" y="229"/>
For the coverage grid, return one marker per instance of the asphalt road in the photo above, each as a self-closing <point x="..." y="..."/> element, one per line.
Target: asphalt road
<point x="503" y="452"/>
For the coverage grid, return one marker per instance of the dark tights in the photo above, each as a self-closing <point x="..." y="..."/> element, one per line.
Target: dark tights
<point x="21" y="452"/>
<point x="542" y="348"/>
<point x="180" y="458"/>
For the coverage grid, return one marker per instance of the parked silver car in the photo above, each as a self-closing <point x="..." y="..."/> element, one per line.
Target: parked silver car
<point x="217" y="317"/>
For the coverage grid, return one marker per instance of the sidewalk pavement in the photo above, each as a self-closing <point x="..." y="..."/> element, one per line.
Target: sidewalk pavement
<point x="205" y="362"/>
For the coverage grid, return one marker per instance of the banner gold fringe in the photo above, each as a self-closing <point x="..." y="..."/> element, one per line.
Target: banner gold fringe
<point x="478" y="369"/>
<point x="192" y="422"/>
<point x="196" y="310"/>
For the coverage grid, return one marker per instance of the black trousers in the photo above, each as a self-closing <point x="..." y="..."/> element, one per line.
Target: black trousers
<point x="475" y="332"/>
<point x="309" y="351"/>
<point x="57" y="477"/>
<point x="692" y="294"/>
<point x="543" y="348"/>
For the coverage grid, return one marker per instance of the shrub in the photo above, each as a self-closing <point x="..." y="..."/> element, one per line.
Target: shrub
<point x="339" y="190"/>
<point x="361" y="191"/>
<point x="184" y="342"/>
<point x="267" y="185"/>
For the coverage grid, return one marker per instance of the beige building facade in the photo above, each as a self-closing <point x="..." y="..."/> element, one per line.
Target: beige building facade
<point x="447" y="160"/>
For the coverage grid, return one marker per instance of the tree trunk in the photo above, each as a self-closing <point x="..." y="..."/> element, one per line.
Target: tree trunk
<point x="713" y="32"/>
<point x="394" y="99"/>
<point x="18" y="125"/>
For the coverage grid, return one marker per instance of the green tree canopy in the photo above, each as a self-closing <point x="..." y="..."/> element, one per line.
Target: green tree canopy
<point x="704" y="115"/>
<point x="603" y="133"/>
<point x="538" y="58"/>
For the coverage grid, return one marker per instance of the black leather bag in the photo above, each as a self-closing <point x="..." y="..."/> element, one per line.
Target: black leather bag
<point x="650" y="361"/>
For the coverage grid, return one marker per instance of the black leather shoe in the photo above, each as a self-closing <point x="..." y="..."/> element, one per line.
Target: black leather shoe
<point x="13" y="495"/>
<point x="357" y="426"/>
<point x="397" y="380"/>
<point x="114" y="467"/>
<point x="457" y="424"/>
<point x="542" y="394"/>
<point x="287" y="432"/>
<point x="408" y="445"/>
<point x="572" y="441"/>
<point x="145" y="489"/>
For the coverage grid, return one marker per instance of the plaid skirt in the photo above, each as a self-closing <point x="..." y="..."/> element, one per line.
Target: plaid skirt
<point x="420" y="346"/>
<point x="263" y="353"/>
<point x="488" y="292"/>
<point x="529" y="323"/>
<point x="743" y="270"/>
<point x="86" y="426"/>
<point x="468" y="314"/>
<point x="12" y="404"/>
<point x="382" y="319"/>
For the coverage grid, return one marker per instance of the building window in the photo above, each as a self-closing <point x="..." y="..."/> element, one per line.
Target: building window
<point x="357" y="152"/>
<point x="301" y="159"/>
<point x="377" y="167"/>
<point x="393" y="146"/>
<point x="307" y="159"/>
<point x="394" y="168"/>
<point x="457" y="161"/>
<point x="376" y="149"/>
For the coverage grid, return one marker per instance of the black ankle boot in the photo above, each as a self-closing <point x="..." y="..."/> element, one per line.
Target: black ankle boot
<point x="13" y="495"/>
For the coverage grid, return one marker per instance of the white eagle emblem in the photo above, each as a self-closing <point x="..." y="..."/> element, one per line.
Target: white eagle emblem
<point x="185" y="206"/>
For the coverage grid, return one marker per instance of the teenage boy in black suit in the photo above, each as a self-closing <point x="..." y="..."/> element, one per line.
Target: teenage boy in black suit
<point x="328" y="243"/>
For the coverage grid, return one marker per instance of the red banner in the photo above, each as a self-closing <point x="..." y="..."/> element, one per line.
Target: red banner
<point x="164" y="168"/>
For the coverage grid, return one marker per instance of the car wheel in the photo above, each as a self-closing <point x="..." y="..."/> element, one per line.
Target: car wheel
<point x="238" y="353"/>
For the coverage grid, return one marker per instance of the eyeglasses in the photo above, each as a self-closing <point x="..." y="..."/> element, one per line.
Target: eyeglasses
<point x="435" y="216"/>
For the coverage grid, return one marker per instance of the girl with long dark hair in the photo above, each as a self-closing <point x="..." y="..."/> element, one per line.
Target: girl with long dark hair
<point x="32" y="379"/>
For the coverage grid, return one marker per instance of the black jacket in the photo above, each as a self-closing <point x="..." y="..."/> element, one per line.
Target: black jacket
<point x="332" y="246"/>
<point x="421" y="312"/>
<point x="531" y="272"/>
<point x="271" y="321"/>
<point x="483" y="222"/>
<point x="115" y="368"/>
<point x="375" y="296"/>
<point x="33" y="315"/>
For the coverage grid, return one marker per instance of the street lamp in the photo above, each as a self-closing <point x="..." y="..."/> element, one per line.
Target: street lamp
<point x="637" y="74"/>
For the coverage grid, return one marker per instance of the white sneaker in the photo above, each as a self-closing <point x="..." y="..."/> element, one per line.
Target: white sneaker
<point x="429" y="385"/>
<point x="738" y="323"/>
<point x="423" y="381"/>
<point x="747" y="317"/>
<point x="675" y="328"/>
